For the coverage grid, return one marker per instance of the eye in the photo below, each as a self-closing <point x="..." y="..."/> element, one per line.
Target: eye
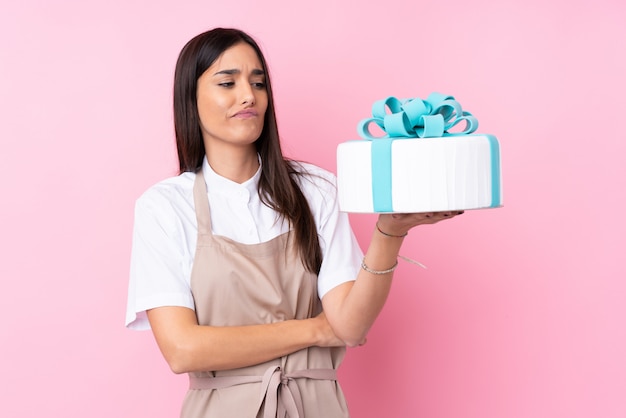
<point x="260" y="85"/>
<point x="226" y="84"/>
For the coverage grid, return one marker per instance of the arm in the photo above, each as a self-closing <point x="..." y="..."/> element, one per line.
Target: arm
<point x="353" y="307"/>
<point x="188" y="346"/>
<point x="159" y="287"/>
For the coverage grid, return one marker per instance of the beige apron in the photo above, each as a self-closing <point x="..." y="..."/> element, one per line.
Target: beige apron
<point x="240" y="284"/>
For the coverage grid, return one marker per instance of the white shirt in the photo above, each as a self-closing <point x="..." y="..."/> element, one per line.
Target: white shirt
<point x="165" y="233"/>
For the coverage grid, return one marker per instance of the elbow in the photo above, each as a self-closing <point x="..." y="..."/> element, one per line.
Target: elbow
<point x="353" y="339"/>
<point x="352" y="334"/>
<point x="177" y="367"/>
<point x="178" y="359"/>
<point x="355" y="342"/>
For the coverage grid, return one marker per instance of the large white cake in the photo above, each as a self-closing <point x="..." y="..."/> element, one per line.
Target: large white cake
<point x="419" y="174"/>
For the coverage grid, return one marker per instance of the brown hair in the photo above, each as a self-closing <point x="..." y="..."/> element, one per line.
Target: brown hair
<point x="278" y="187"/>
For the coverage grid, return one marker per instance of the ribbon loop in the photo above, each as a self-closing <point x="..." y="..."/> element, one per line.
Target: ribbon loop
<point x="431" y="126"/>
<point x="415" y="109"/>
<point x="397" y="124"/>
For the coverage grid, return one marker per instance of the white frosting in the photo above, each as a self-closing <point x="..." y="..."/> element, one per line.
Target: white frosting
<point x="428" y="174"/>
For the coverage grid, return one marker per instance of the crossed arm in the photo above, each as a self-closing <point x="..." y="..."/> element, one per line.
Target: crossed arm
<point x="350" y="310"/>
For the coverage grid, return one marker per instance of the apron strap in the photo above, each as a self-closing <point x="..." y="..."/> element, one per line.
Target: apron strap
<point x="201" y="202"/>
<point x="279" y="391"/>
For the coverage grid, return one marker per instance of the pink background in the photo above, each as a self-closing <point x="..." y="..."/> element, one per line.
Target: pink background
<point x="521" y="311"/>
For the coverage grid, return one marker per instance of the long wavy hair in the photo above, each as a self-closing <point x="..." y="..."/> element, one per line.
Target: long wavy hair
<point x="278" y="185"/>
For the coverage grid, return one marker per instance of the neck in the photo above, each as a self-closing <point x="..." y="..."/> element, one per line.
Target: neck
<point x="236" y="164"/>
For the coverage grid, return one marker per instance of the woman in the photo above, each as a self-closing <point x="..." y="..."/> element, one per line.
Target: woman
<point x="248" y="275"/>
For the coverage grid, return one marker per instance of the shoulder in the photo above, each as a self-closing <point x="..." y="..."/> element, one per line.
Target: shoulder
<point x="174" y="193"/>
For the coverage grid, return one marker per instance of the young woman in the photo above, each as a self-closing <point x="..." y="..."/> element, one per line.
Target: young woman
<point x="248" y="275"/>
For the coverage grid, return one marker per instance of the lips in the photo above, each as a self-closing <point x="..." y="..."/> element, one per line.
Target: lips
<point x="245" y="114"/>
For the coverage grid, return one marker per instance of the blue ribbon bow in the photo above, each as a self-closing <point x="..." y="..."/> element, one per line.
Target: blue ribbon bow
<point x="413" y="118"/>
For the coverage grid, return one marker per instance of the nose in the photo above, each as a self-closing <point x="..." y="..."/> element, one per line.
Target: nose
<point x="247" y="95"/>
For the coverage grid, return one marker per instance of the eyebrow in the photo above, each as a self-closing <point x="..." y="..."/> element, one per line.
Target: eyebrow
<point x="256" y="71"/>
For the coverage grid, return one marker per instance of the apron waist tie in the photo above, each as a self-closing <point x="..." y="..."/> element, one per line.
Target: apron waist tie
<point x="278" y="389"/>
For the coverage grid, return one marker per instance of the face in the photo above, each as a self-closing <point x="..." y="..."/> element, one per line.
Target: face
<point x="232" y="98"/>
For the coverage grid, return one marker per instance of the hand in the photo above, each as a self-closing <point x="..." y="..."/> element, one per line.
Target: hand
<point x="400" y="223"/>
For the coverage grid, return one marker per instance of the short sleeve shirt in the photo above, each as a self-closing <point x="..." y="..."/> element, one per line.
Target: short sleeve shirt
<point x="165" y="234"/>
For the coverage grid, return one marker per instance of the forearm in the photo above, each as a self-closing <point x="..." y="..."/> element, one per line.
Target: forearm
<point x="354" y="307"/>
<point x="218" y="348"/>
<point x="188" y="347"/>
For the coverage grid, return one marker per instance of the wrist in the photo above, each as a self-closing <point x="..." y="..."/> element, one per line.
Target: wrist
<point x="316" y="331"/>
<point x="378" y="272"/>
<point x="390" y="233"/>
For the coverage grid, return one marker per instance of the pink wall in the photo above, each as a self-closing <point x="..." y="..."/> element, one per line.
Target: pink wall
<point x="521" y="312"/>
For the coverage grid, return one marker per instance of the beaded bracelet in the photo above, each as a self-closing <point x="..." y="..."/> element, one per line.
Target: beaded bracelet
<point x="390" y="235"/>
<point x="369" y="270"/>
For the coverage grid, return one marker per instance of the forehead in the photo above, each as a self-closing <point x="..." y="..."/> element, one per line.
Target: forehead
<point x="239" y="56"/>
